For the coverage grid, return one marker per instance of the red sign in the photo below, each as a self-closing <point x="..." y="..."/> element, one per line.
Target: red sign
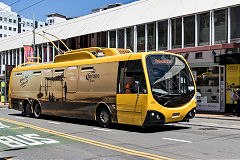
<point x="28" y="52"/>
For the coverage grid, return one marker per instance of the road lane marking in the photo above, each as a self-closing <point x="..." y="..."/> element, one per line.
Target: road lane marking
<point x="209" y="123"/>
<point x="18" y="128"/>
<point x="53" y="122"/>
<point x="89" y="141"/>
<point x="101" y="129"/>
<point x="19" y="117"/>
<point x="179" y="140"/>
<point x="236" y="125"/>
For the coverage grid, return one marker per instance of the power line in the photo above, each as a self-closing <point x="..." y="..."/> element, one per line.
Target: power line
<point x="10" y="5"/>
<point x="30" y="6"/>
<point x="26" y="7"/>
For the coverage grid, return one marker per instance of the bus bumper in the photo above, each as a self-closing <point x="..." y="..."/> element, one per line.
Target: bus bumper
<point x="191" y="114"/>
<point x="154" y="118"/>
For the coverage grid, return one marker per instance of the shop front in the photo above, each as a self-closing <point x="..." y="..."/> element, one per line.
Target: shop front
<point x="232" y="65"/>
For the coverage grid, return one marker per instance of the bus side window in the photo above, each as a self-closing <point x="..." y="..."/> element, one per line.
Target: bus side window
<point x="129" y="73"/>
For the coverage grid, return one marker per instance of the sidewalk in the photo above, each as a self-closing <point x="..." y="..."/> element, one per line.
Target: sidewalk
<point x="2" y="105"/>
<point x="217" y="115"/>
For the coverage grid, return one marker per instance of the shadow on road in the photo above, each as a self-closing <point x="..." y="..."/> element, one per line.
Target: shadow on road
<point x="123" y="127"/>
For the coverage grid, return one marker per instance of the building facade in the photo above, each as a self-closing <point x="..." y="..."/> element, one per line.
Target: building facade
<point x="8" y="21"/>
<point x="206" y="33"/>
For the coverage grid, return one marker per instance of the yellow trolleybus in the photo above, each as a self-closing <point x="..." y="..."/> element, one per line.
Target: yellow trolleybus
<point x="107" y="85"/>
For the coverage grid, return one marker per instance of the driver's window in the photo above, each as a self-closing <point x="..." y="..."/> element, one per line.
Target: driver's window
<point x="131" y="77"/>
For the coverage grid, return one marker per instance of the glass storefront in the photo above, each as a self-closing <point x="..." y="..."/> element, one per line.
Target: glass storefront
<point x="210" y="87"/>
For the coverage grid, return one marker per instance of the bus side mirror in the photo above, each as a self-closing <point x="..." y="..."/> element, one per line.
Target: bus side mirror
<point x="137" y="86"/>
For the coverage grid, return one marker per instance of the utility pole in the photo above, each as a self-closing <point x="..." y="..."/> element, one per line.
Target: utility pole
<point x="34" y="46"/>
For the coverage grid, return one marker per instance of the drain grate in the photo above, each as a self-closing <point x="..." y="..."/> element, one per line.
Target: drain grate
<point x="210" y="128"/>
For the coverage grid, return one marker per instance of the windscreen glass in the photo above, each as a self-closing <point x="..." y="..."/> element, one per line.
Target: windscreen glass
<point x="170" y="79"/>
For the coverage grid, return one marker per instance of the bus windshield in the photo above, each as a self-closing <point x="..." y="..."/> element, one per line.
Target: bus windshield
<point x="170" y="79"/>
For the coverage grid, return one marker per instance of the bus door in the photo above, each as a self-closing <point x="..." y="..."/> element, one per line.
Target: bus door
<point x="59" y="86"/>
<point x="131" y="97"/>
<point x="71" y="83"/>
<point x="46" y="85"/>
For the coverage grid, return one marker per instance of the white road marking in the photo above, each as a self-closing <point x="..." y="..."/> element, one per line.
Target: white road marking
<point x="19" y="117"/>
<point x="179" y="140"/>
<point x="53" y="122"/>
<point x="101" y="129"/>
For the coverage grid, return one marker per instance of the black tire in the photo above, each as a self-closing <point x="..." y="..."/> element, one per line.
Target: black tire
<point x="37" y="111"/>
<point x="28" y="110"/>
<point x="104" y="117"/>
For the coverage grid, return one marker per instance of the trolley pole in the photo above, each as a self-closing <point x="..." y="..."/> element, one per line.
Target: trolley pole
<point x="34" y="46"/>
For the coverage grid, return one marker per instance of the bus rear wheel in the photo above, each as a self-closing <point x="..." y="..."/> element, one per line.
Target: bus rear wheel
<point x="104" y="117"/>
<point x="37" y="111"/>
<point x="28" y="110"/>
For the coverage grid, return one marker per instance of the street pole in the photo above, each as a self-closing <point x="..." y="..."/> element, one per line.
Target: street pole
<point x="34" y="47"/>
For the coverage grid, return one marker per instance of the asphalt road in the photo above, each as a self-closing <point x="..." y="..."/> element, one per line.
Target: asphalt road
<point x="65" y="138"/>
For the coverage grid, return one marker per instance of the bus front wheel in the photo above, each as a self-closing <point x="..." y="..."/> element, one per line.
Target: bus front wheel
<point x="104" y="117"/>
<point x="37" y="111"/>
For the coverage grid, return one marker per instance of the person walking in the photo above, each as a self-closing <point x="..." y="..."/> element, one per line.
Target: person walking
<point x="238" y="102"/>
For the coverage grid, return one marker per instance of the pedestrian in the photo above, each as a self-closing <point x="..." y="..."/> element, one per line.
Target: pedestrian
<point x="238" y="102"/>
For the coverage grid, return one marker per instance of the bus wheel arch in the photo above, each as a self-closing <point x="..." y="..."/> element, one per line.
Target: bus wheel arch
<point x="103" y="115"/>
<point x="37" y="111"/>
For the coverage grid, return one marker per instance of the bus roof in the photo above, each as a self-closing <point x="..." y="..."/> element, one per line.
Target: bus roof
<point x="114" y="58"/>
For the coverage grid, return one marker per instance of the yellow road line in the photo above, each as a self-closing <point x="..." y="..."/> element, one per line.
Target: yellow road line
<point x="209" y="123"/>
<point x="18" y="128"/>
<point x="96" y="143"/>
<point x="236" y="125"/>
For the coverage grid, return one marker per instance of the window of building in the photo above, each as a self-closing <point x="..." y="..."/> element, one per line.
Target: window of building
<point x="198" y="55"/>
<point x="5" y="19"/>
<point x="5" y="27"/>
<point x="14" y="21"/>
<point x="177" y="33"/>
<point x="204" y="29"/>
<point x="31" y="24"/>
<point x="23" y="30"/>
<point x="5" y="35"/>
<point x="101" y="39"/>
<point x="10" y="20"/>
<point x="14" y="29"/>
<point x="141" y="38"/>
<point x="9" y="28"/>
<point x="151" y="37"/>
<point x="0" y="26"/>
<point x="235" y="23"/>
<point x="1" y="35"/>
<point x="1" y="18"/>
<point x="220" y="26"/>
<point x="162" y="35"/>
<point x="189" y="31"/>
<point x="28" y="24"/>
<point x="120" y="33"/>
<point x="41" y="25"/>
<point x="130" y="38"/>
<point x="112" y="35"/>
